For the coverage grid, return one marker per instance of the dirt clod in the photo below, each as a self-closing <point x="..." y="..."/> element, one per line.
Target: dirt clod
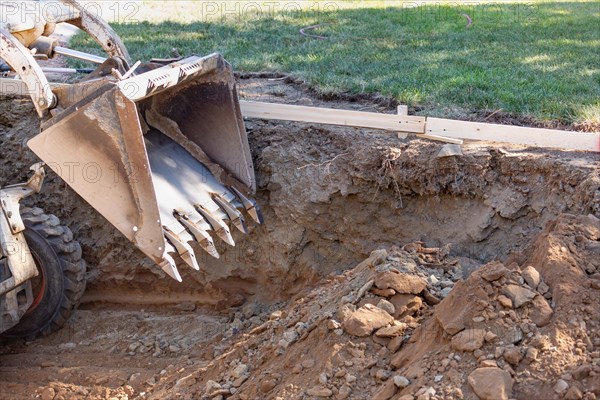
<point x="366" y="319"/>
<point x="519" y="295"/>
<point x="401" y="283"/>
<point x="468" y="340"/>
<point x="491" y="383"/>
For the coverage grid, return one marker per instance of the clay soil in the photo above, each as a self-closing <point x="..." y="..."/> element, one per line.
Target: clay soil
<point x="356" y="221"/>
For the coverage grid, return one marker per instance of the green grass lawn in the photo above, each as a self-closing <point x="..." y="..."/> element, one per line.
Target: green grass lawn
<point x="538" y="59"/>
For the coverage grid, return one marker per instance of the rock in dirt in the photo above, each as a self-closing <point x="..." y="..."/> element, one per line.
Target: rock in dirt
<point x="493" y="271"/>
<point x="239" y="381"/>
<point x="401" y="381"/>
<point x="406" y="304"/>
<point x="490" y="336"/>
<point x="48" y="394"/>
<point x="454" y="312"/>
<point x="376" y="257"/>
<point x="573" y="394"/>
<point x="433" y="280"/>
<point x="491" y="383"/>
<point x="512" y="355"/>
<point x="386" y="391"/>
<point x="541" y="312"/>
<point x="561" y="386"/>
<point x="344" y="392"/>
<point x="392" y="331"/>
<point x="319" y="391"/>
<point x="345" y="311"/>
<point x="211" y="387"/>
<point x="395" y="344"/>
<point x="513" y="336"/>
<point x="401" y="283"/>
<point x="531" y="276"/>
<point x="361" y="292"/>
<point x="505" y="301"/>
<point x="186" y="381"/>
<point x="267" y="385"/>
<point x="468" y="340"/>
<point x="488" y="363"/>
<point x="543" y="288"/>
<point x="129" y="391"/>
<point x="187" y="306"/>
<point x="383" y="292"/>
<point x="531" y="355"/>
<point x="250" y="309"/>
<point x="239" y="371"/>
<point x="332" y="325"/>
<point x="323" y="378"/>
<point x="450" y="150"/>
<point x="366" y="319"/>
<point x="383" y="375"/>
<point x="275" y="315"/>
<point x="386" y="306"/>
<point x="135" y="378"/>
<point x="425" y="393"/>
<point x="582" y="372"/>
<point x="519" y="295"/>
<point x="290" y="336"/>
<point x="433" y="300"/>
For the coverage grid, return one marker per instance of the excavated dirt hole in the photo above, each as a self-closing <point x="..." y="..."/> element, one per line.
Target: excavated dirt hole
<point x="330" y="197"/>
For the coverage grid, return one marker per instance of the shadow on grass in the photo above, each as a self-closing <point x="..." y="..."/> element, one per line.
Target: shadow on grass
<point x="538" y="60"/>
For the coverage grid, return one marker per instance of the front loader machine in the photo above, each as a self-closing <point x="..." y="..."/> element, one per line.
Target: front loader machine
<point x="158" y="148"/>
<point x="42" y="274"/>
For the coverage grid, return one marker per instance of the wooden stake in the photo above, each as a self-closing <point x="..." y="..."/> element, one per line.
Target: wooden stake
<point x="537" y="137"/>
<point x="445" y="130"/>
<point x="330" y="116"/>
<point x="402" y="110"/>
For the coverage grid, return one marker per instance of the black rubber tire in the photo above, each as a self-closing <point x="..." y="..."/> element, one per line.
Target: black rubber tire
<point x="59" y="256"/>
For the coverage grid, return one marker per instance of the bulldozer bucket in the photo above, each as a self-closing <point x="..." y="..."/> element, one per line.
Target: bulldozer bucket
<point x="162" y="155"/>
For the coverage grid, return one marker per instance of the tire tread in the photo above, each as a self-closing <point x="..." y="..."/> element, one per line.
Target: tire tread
<point x="60" y="238"/>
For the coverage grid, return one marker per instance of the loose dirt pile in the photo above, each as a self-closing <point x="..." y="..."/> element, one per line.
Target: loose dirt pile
<point x="522" y="330"/>
<point x="289" y="314"/>
<point x="393" y="327"/>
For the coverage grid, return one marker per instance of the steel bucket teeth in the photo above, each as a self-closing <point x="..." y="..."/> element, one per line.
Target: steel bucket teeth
<point x="250" y="205"/>
<point x="234" y="215"/>
<point x="183" y="249"/>
<point x="192" y="202"/>
<point x="217" y="224"/>
<point x="202" y="237"/>
<point x="168" y="265"/>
